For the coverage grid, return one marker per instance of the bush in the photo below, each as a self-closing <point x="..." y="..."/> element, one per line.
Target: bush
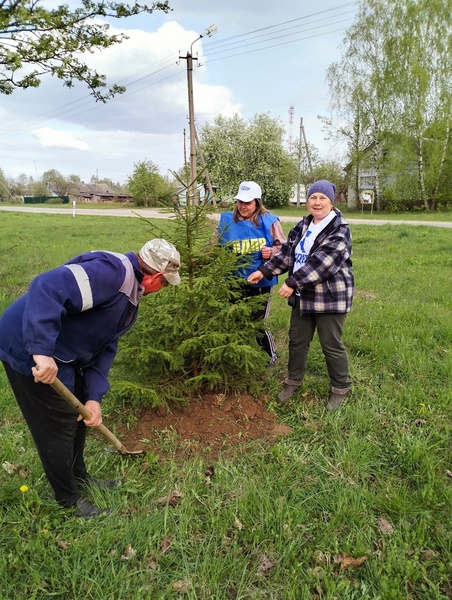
<point x="56" y="200"/>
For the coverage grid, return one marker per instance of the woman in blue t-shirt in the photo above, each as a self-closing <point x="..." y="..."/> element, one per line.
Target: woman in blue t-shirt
<point x="256" y="234"/>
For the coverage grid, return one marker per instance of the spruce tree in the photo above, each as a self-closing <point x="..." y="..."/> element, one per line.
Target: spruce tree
<point x="198" y="336"/>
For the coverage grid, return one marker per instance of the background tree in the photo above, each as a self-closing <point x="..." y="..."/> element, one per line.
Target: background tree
<point x="353" y="127"/>
<point x="333" y="171"/>
<point x="5" y="191"/>
<point x="305" y="158"/>
<point x="236" y="150"/>
<point x="146" y="184"/>
<point x="56" y="183"/>
<point x="392" y="88"/>
<point x="21" y="185"/>
<point x="35" y="40"/>
<point x="40" y="188"/>
<point x="312" y="167"/>
<point x="360" y="85"/>
<point x="419" y="50"/>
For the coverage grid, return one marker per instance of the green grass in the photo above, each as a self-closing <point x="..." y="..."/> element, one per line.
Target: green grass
<point x="372" y="481"/>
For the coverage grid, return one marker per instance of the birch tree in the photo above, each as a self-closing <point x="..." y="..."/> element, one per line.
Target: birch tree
<point x="393" y="82"/>
<point x="360" y="86"/>
<point x="419" y="52"/>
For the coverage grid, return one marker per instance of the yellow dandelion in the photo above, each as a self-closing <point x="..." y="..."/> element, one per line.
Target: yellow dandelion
<point x="24" y="488"/>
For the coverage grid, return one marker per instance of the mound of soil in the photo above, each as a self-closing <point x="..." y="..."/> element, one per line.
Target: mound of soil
<point x="216" y="423"/>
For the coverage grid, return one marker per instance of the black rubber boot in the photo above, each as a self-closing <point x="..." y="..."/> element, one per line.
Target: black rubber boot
<point x="84" y="508"/>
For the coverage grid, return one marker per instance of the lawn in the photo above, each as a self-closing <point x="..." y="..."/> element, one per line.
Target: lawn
<point x="352" y="505"/>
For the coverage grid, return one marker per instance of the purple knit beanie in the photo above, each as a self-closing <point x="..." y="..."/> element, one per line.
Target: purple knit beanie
<point x="323" y="187"/>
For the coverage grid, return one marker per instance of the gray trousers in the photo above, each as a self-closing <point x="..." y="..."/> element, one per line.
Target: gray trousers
<point x="329" y="328"/>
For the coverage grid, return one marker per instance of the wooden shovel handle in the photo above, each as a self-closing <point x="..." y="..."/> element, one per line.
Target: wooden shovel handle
<point x="67" y="395"/>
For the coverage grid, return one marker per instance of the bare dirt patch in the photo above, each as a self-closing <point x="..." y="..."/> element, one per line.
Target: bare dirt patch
<point x="214" y="424"/>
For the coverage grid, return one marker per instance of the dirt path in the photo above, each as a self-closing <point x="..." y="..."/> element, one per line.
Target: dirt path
<point x="154" y="213"/>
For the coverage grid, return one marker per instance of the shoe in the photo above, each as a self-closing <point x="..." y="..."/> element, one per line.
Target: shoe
<point x="336" y="400"/>
<point x="85" y="509"/>
<point x="288" y="391"/>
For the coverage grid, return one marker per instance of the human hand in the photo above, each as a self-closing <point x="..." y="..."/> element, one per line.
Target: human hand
<point x="266" y="252"/>
<point x="285" y="291"/>
<point x="96" y="414"/>
<point x="255" y="277"/>
<point x="45" y="370"/>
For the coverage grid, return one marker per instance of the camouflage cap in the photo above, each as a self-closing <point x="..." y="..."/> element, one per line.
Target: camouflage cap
<point x="162" y="256"/>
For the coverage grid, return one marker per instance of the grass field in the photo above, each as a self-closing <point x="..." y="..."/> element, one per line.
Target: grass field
<point x="353" y="505"/>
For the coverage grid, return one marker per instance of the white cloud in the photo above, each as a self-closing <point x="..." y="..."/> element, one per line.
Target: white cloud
<point x="149" y="120"/>
<point x="53" y="138"/>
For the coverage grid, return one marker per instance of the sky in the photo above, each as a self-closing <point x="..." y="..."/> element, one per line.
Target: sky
<point x="265" y="57"/>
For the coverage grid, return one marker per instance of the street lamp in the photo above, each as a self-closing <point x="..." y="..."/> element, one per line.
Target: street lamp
<point x="192" y="188"/>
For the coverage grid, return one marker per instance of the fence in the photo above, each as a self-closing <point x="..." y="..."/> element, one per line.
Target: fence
<point x="44" y="199"/>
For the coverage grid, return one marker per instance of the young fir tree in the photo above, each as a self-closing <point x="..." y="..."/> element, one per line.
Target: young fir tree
<point x="197" y="336"/>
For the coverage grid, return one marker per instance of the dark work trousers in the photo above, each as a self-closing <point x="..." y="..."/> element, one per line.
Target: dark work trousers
<point x="266" y="341"/>
<point x="329" y="328"/>
<point x="59" y="437"/>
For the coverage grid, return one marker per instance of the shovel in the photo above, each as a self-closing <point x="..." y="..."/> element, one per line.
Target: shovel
<point x="67" y="395"/>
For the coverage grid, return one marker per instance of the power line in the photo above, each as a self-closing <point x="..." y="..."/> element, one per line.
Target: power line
<point x="216" y="42"/>
<point x="284" y="32"/>
<point x="314" y="35"/>
<point x="226" y="47"/>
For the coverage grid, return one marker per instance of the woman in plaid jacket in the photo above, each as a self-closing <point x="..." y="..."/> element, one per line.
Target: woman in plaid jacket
<point x="319" y="288"/>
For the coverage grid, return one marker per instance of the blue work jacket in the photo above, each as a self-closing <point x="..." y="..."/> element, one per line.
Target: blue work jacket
<point x="76" y="314"/>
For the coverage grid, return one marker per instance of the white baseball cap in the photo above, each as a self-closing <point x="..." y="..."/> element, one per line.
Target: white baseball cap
<point x="248" y="191"/>
<point x="163" y="257"/>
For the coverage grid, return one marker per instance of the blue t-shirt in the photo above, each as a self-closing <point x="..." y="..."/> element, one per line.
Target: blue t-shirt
<point x="246" y="240"/>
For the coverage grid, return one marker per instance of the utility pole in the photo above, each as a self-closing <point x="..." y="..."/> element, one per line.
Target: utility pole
<point x="308" y="156"/>
<point x="206" y="172"/>
<point x="193" y="183"/>
<point x="185" y="147"/>
<point x="299" y="167"/>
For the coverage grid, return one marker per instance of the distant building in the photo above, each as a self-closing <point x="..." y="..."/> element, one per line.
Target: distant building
<point x="92" y="193"/>
<point x="294" y="194"/>
<point x="182" y="194"/>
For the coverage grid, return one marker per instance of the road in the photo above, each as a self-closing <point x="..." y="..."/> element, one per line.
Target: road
<point x="153" y="213"/>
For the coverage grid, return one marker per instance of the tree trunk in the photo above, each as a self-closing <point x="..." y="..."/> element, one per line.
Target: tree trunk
<point x="421" y="171"/>
<point x="377" y="162"/>
<point x="441" y="163"/>
<point x="356" y="177"/>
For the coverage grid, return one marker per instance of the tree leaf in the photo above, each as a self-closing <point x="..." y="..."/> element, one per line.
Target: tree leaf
<point x="384" y="526"/>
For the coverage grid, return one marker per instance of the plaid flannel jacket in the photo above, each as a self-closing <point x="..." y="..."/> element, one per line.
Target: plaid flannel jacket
<point x="325" y="281"/>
